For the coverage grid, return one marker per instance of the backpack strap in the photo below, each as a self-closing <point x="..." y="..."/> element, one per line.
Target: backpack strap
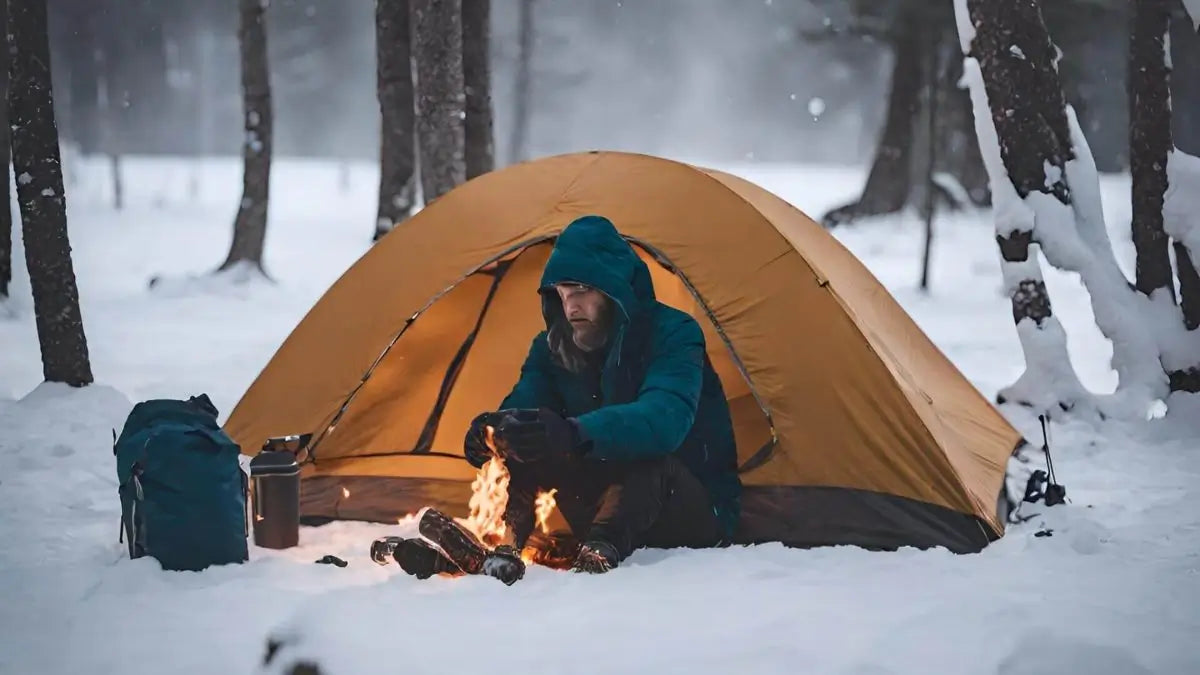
<point x="131" y="498"/>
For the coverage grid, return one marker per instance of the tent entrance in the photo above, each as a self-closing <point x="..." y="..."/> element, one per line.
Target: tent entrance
<point x="462" y="353"/>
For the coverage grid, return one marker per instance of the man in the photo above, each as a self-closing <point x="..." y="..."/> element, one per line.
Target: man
<point x="618" y="407"/>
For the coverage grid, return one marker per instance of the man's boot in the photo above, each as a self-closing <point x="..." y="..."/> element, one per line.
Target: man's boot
<point x="465" y="551"/>
<point x="420" y="559"/>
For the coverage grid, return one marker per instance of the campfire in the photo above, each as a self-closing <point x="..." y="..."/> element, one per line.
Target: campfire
<point x="470" y="541"/>
<point x="489" y="498"/>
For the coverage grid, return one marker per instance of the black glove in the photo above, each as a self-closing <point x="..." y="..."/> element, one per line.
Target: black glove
<point x="475" y="444"/>
<point x="535" y="435"/>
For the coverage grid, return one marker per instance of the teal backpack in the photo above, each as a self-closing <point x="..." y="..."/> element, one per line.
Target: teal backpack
<point x="183" y="494"/>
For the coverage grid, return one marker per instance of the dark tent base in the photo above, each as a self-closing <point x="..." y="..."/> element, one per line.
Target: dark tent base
<point x="801" y="517"/>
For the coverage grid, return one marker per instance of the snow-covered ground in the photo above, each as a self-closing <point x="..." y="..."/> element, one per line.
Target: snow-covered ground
<point x="1114" y="589"/>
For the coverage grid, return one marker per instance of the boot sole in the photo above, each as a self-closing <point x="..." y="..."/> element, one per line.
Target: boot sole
<point x="422" y="560"/>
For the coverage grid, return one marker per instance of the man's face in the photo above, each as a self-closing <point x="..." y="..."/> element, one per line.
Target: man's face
<point x="587" y="309"/>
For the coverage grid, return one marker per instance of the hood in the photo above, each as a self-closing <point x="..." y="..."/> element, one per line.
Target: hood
<point x="590" y="251"/>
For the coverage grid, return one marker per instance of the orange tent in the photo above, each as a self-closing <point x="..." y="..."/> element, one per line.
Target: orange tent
<point x="852" y="427"/>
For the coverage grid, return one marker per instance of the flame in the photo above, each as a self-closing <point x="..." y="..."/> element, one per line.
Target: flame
<point x="345" y="493"/>
<point x="489" y="498"/>
<point x="543" y="507"/>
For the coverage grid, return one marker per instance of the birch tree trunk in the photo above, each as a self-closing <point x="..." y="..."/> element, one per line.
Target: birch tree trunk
<point x="441" y="105"/>
<point x="477" y="80"/>
<point x="394" y="85"/>
<point x="38" y="166"/>
<point x="250" y="226"/>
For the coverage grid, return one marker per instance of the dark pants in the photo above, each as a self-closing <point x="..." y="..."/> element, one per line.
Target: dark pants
<point x="655" y="503"/>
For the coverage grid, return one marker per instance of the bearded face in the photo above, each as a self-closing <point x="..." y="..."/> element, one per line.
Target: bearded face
<point x="587" y="310"/>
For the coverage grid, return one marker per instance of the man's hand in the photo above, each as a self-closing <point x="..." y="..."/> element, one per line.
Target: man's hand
<point x="534" y="435"/>
<point x="475" y="445"/>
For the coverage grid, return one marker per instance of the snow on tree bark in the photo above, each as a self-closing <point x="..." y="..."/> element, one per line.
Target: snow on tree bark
<point x="250" y="226"/>
<point x="6" y="224"/>
<point x="394" y="85"/>
<point x="1006" y="142"/>
<point x="1151" y="146"/>
<point x="1149" y="141"/>
<point x="523" y="85"/>
<point x="480" y="146"/>
<point x="38" y="166"/>
<point x="1045" y="157"/>
<point x="437" y="52"/>
<point x="1181" y="220"/>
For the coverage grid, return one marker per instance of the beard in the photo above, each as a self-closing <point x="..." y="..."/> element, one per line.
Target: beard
<point x="588" y="336"/>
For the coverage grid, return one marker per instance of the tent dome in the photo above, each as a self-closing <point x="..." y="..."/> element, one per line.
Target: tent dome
<point x="852" y="427"/>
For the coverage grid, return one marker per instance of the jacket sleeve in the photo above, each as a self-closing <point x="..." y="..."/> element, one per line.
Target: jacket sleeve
<point x="535" y="388"/>
<point x="657" y="421"/>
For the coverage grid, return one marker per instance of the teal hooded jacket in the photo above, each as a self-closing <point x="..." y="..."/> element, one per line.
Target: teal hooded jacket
<point x="657" y="393"/>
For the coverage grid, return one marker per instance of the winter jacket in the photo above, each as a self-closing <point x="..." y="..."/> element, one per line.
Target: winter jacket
<point x="657" y="392"/>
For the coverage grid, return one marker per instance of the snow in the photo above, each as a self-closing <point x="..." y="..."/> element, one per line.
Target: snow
<point x="1112" y="590"/>
<point x="1193" y="8"/>
<point x="966" y="29"/>
<point x="1181" y="204"/>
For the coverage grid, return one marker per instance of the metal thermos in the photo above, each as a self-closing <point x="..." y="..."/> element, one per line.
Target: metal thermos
<point x="275" y="475"/>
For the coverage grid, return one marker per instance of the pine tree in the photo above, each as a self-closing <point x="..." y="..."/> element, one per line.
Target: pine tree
<point x="394" y="83"/>
<point x="523" y="88"/>
<point x="250" y="226"/>
<point x="1149" y="143"/>
<point x="477" y="76"/>
<point x="441" y="105"/>
<point x="38" y="167"/>
<point x="6" y="224"/>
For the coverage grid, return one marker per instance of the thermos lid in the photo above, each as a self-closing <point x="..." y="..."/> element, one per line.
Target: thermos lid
<point x="274" y="463"/>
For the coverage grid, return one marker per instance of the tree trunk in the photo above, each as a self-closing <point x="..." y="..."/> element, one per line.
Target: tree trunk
<point x="1007" y="60"/>
<point x="250" y="227"/>
<point x="933" y="57"/>
<point x="523" y="87"/>
<point x="890" y="178"/>
<point x="958" y="148"/>
<point x="394" y="83"/>
<point x="6" y="224"/>
<point x="1149" y="143"/>
<point x="477" y="75"/>
<point x="1034" y="138"/>
<point x="437" y="52"/>
<point x="38" y="166"/>
<point x="1189" y="287"/>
